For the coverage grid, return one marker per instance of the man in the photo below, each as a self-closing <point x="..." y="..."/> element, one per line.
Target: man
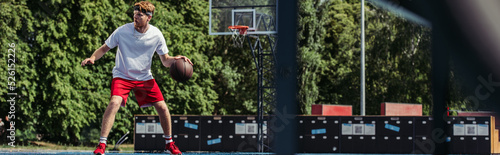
<point x="137" y="42"/>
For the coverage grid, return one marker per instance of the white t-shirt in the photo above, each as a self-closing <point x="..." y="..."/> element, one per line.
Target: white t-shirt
<point x="135" y="51"/>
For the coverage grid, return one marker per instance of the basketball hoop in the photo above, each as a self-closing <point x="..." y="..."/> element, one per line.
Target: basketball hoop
<point x="239" y="33"/>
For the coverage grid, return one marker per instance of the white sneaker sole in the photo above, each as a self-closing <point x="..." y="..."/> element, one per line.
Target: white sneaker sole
<point x="167" y="151"/>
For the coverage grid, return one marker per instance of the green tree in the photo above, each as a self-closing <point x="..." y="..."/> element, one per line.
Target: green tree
<point x="312" y="18"/>
<point x="60" y="96"/>
<point x="339" y="82"/>
<point x="397" y="58"/>
<point x="17" y="34"/>
<point x="183" y="23"/>
<point x="57" y="95"/>
<point x="406" y="46"/>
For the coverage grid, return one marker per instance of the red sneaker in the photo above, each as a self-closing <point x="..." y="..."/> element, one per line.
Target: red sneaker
<point x="172" y="149"/>
<point x="101" y="148"/>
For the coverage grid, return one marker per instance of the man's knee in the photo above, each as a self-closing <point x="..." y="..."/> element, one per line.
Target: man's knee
<point x="115" y="101"/>
<point x="160" y="106"/>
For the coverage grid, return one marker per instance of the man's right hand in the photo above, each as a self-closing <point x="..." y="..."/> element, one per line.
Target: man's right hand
<point x="88" y="61"/>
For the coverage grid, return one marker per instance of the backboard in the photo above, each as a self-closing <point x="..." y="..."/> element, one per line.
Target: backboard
<point x="259" y="15"/>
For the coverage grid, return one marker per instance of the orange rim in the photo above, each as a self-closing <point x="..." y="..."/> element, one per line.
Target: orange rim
<point x="242" y="29"/>
<point x="238" y="27"/>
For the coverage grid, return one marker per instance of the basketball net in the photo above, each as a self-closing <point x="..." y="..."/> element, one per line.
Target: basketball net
<point x="238" y="34"/>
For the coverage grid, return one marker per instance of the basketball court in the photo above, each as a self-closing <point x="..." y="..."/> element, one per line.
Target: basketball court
<point x="132" y="153"/>
<point x="254" y="25"/>
<point x="126" y="153"/>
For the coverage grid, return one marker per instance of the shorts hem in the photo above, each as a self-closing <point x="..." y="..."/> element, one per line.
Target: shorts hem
<point x="149" y="104"/>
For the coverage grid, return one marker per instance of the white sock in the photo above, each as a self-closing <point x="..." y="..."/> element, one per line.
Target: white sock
<point x="168" y="139"/>
<point x="103" y="140"/>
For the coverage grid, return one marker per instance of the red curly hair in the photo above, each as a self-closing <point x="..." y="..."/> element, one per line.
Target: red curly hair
<point x="145" y="6"/>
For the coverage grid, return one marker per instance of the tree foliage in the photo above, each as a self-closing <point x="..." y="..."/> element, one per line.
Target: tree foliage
<point x="65" y="102"/>
<point x="397" y="56"/>
<point x="312" y="21"/>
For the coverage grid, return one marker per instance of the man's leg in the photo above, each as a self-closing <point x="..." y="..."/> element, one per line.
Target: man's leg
<point x="165" y="120"/>
<point x="107" y="122"/>
<point x="109" y="115"/>
<point x="162" y="109"/>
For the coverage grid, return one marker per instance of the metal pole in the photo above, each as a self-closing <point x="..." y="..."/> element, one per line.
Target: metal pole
<point x="362" y="104"/>
<point x="261" y="93"/>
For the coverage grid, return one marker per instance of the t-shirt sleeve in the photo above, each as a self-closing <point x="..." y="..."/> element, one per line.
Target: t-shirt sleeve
<point x="162" y="46"/>
<point x="112" y="40"/>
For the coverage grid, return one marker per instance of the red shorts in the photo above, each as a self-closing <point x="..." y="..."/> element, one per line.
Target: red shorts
<point x="146" y="92"/>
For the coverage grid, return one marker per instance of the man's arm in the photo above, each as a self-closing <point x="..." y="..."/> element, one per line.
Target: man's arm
<point x="167" y="60"/>
<point x="96" y="55"/>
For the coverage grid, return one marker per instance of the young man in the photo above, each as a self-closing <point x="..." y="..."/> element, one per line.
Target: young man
<point x="137" y="42"/>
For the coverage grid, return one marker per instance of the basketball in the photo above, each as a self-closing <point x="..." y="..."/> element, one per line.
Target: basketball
<point x="181" y="71"/>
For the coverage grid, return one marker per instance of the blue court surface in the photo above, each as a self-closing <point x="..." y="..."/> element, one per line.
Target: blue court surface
<point x="78" y="152"/>
<point x="87" y="153"/>
<point x="69" y="152"/>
